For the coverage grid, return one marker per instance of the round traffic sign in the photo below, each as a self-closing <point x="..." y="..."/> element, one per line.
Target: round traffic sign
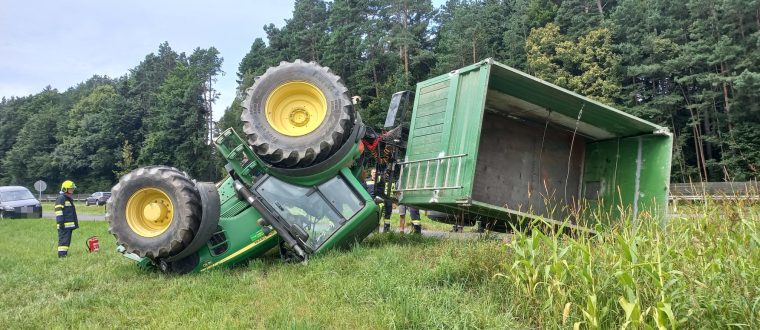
<point x="40" y="185"/>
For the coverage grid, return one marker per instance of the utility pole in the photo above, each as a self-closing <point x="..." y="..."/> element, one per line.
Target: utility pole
<point x="209" y="96"/>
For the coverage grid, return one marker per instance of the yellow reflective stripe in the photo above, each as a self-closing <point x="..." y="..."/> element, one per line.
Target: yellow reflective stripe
<point x="63" y="248"/>
<point x="58" y="212"/>
<point x="58" y="206"/>
<point x="68" y="224"/>
<point x="246" y="248"/>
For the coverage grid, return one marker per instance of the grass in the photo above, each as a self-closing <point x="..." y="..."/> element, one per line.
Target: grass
<point x="389" y="281"/>
<point x="697" y="272"/>
<point x="48" y="207"/>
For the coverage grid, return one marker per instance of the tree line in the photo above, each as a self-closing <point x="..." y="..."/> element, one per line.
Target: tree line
<point x="693" y="66"/>
<point x="102" y="128"/>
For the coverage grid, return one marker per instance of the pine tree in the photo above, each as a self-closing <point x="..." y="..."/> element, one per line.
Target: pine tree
<point x="177" y="127"/>
<point x="409" y="23"/>
<point x="126" y="162"/>
<point x="470" y="32"/>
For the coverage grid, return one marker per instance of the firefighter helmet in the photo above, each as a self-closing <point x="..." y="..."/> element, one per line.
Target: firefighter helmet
<point x="68" y="184"/>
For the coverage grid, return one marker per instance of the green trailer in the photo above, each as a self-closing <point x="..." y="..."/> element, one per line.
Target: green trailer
<point x="488" y="142"/>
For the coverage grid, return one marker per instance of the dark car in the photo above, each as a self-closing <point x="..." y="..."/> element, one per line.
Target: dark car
<point x="98" y="198"/>
<point x="18" y="202"/>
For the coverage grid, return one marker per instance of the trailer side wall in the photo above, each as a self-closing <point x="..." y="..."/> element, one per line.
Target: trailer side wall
<point x="528" y="167"/>
<point x="628" y="177"/>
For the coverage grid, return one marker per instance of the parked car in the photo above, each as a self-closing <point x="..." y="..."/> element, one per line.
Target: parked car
<point x="18" y="202"/>
<point x="98" y="198"/>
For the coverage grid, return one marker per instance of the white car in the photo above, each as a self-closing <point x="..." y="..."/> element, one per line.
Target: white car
<point x="18" y="202"/>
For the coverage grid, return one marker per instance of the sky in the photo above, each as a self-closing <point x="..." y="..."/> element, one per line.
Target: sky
<point x="63" y="43"/>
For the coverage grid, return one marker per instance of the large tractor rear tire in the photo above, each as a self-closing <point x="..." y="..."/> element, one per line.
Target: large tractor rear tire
<point x="297" y="114"/>
<point x="154" y="211"/>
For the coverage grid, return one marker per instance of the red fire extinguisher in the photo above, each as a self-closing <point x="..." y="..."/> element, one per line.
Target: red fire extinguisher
<point x="92" y="244"/>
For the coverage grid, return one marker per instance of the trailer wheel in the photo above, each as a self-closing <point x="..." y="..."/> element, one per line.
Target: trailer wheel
<point x="297" y="114"/>
<point x="154" y="211"/>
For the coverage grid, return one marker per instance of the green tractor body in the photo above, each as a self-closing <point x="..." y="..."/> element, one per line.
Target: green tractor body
<point x="320" y="213"/>
<point x="293" y="184"/>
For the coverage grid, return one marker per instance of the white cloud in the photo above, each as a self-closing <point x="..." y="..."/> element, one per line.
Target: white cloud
<point x="62" y="43"/>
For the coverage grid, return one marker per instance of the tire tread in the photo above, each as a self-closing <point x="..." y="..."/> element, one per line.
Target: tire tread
<point x="188" y="208"/>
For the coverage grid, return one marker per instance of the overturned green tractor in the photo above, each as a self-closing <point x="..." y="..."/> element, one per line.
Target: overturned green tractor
<point x="293" y="184"/>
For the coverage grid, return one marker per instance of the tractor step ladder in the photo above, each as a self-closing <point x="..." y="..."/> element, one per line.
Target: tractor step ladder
<point x="238" y="154"/>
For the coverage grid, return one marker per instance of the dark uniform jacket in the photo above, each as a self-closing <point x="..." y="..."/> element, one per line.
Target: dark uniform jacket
<point x="65" y="214"/>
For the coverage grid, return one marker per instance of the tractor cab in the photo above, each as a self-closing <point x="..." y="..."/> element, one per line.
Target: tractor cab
<point x="313" y="214"/>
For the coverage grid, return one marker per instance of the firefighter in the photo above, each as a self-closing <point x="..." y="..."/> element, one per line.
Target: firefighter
<point x="370" y="183"/>
<point x="65" y="217"/>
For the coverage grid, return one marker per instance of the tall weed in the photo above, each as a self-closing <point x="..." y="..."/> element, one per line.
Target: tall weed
<point x="697" y="272"/>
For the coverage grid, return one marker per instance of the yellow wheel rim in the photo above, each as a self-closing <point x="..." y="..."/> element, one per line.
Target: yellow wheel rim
<point x="149" y="212"/>
<point x="296" y="108"/>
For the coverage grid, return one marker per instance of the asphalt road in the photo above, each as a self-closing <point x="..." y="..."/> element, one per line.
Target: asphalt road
<point x="504" y="237"/>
